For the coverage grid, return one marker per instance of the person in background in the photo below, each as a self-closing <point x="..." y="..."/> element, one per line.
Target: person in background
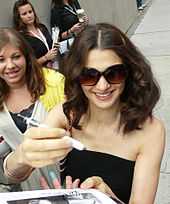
<point x="140" y="5"/>
<point x="110" y="95"/>
<point x="26" y="90"/>
<point x="64" y="16"/>
<point x="26" y="22"/>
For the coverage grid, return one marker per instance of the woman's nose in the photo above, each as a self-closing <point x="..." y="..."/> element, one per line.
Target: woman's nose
<point x="102" y="84"/>
<point x="29" y="14"/>
<point x="9" y="63"/>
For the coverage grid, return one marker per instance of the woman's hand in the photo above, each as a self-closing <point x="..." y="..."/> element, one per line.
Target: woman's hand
<point x="51" y="54"/>
<point x="97" y="183"/>
<point x="43" y="146"/>
<point x="85" y="20"/>
<point x="70" y="184"/>
<point x="77" y="28"/>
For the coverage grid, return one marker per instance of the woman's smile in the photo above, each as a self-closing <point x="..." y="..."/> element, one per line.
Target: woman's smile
<point x="103" y="96"/>
<point x="13" y="73"/>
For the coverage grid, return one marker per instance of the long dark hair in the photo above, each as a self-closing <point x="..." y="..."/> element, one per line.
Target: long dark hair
<point x="60" y="3"/>
<point x="18" y="24"/>
<point x="141" y="91"/>
<point x="34" y="75"/>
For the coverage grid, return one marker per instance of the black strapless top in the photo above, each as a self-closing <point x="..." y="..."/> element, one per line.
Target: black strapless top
<point x="115" y="171"/>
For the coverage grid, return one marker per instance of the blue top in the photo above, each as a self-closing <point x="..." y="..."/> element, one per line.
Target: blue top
<point x="115" y="171"/>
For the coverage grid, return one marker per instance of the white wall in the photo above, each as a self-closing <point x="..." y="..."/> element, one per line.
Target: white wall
<point x="119" y="12"/>
<point x="42" y="8"/>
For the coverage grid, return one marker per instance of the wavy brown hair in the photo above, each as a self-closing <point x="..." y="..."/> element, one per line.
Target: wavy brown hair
<point x="141" y="91"/>
<point x="17" y="22"/>
<point x="34" y="75"/>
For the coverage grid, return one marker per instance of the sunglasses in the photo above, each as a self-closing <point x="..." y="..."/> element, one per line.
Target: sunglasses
<point x="114" y="74"/>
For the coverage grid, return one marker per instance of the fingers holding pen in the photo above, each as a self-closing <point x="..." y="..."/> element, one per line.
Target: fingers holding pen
<point x="44" y="146"/>
<point x="44" y="133"/>
<point x="56" y="155"/>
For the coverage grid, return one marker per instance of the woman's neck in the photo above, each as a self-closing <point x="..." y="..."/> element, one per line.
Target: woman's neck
<point x="18" y="88"/>
<point x="100" y="116"/>
<point x="18" y="99"/>
<point x="31" y="28"/>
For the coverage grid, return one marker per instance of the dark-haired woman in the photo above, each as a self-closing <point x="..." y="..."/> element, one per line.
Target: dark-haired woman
<point x="64" y="15"/>
<point x="26" y="21"/>
<point x="111" y="93"/>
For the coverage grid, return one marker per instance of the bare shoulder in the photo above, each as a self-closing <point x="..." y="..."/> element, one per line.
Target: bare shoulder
<point x="153" y="135"/>
<point x="56" y="117"/>
<point x="154" y="127"/>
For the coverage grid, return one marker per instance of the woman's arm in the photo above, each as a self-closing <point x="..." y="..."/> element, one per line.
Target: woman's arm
<point x="41" y="147"/>
<point x="19" y="171"/>
<point x="147" y="168"/>
<point x="50" y="55"/>
<point x="73" y="31"/>
<point x="42" y="60"/>
<point x="52" y="52"/>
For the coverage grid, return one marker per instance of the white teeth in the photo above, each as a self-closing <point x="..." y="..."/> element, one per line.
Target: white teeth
<point x="103" y="95"/>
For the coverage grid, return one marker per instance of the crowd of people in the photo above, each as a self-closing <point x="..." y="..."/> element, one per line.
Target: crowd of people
<point x="105" y="100"/>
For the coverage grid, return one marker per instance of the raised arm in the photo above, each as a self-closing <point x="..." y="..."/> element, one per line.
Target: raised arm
<point x="41" y="147"/>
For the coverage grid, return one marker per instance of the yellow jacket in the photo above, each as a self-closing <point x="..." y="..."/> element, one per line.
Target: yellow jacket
<point x="54" y="89"/>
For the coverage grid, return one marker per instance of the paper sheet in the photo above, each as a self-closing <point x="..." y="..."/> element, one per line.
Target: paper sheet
<point x="56" y="196"/>
<point x="64" y="45"/>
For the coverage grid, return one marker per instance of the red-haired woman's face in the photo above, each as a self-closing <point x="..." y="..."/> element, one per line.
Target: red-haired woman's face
<point x="12" y="65"/>
<point x="26" y="14"/>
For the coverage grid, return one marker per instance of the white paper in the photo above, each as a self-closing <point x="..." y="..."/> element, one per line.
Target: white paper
<point x="72" y="196"/>
<point x="64" y="45"/>
<point x="55" y="35"/>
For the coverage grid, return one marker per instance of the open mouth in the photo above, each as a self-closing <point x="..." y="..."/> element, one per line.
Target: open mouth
<point x="104" y="96"/>
<point x="12" y="74"/>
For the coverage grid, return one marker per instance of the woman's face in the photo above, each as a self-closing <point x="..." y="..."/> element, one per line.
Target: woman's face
<point x="103" y="94"/>
<point x="26" y="14"/>
<point x="12" y="65"/>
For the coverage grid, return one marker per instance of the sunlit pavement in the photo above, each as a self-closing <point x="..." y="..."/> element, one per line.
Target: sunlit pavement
<point x="152" y="36"/>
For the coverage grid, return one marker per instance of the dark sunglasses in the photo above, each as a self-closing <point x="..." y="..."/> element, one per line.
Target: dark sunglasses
<point x="114" y="74"/>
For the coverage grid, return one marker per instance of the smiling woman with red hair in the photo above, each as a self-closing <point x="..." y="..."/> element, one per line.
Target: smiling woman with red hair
<point x="25" y="90"/>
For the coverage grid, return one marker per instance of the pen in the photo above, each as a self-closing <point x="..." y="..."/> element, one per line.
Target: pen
<point x="75" y="143"/>
<point x="34" y="123"/>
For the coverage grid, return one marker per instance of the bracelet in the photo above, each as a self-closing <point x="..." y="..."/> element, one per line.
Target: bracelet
<point x="11" y="174"/>
<point x="70" y="33"/>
